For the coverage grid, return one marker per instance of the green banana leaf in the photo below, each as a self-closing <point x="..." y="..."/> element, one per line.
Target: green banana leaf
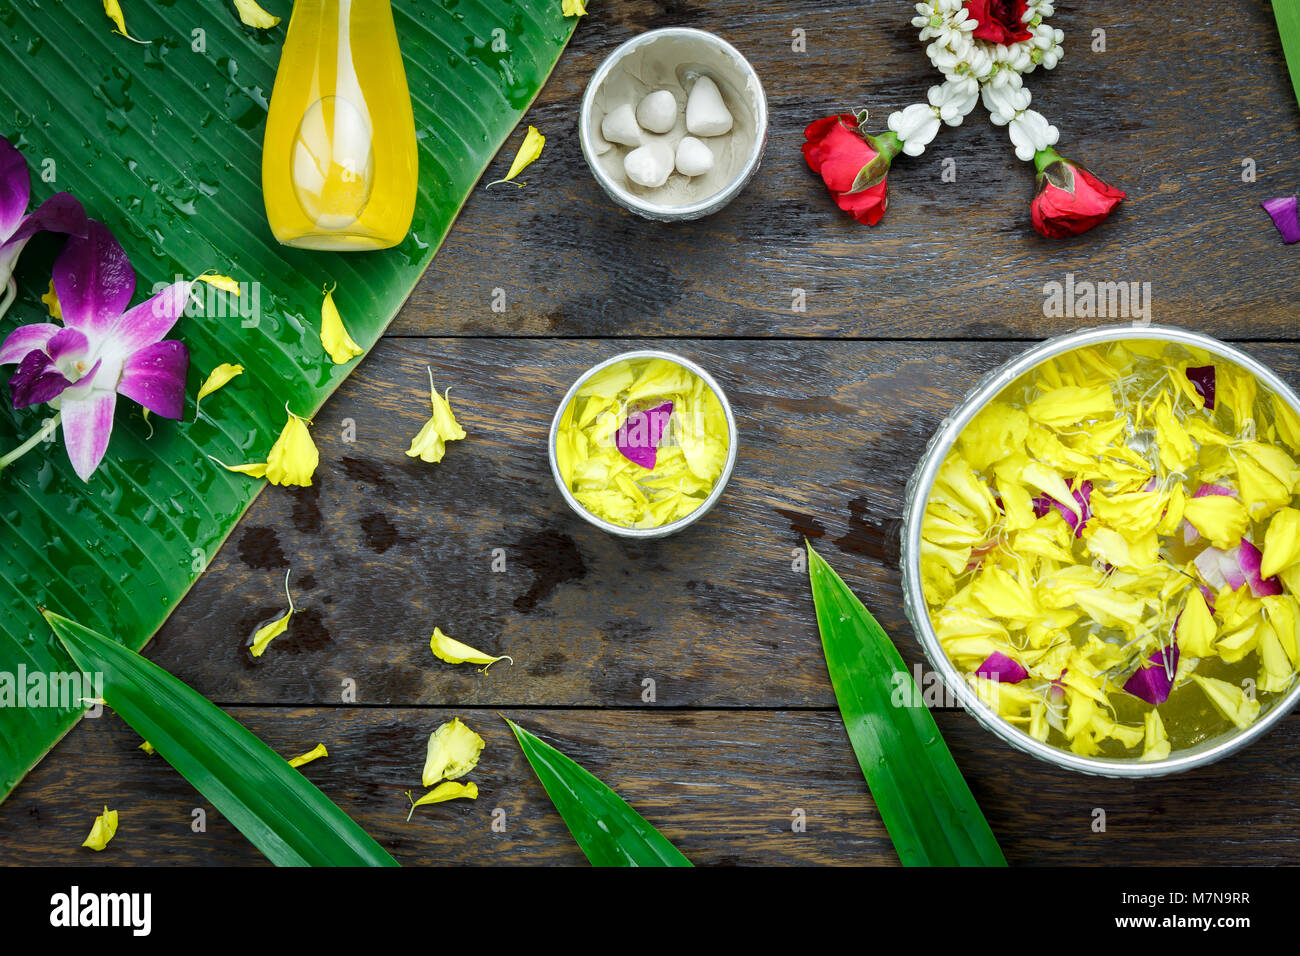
<point x="925" y="803"/>
<point x="162" y="142"/>
<point x="1287" y="13"/>
<point x="605" y="827"/>
<point x="276" y="807"/>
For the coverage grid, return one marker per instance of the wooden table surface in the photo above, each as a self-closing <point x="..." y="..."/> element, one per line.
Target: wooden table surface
<point x="835" y="404"/>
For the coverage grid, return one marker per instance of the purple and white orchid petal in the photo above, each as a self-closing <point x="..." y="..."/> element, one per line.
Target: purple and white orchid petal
<point x="87" y="427"/>
<point x="15" y="188"/>
<point x="155" y="378"/>
<point x="67" y="344"/>
<point x="37" y="381"/>
<point x="24" y="339"/>
<point x="62" y="212"/>
<point x="94" y="280"/>
<point x="149" y="321"/>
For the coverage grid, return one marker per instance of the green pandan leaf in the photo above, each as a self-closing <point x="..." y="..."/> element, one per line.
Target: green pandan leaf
<point x="1287" y="13"/>
<point x="162" y="142"/>
<point x="605" y="827"/>
<point x="926" y="805"/>
<point x="276" y="807"/>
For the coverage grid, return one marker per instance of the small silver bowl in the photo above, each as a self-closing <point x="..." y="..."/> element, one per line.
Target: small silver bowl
<point x="918" y="497"/>
<point x="694" y="53"/>
<point x="673" y="526"/>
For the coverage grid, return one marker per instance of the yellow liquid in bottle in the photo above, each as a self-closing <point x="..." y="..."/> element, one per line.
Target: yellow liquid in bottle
<point x="339" y="163"/>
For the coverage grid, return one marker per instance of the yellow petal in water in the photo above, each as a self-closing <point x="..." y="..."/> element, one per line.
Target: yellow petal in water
<point x="1133" y="553"/>
<point x="1157" y="740"/>
<point x="1177" y="453"/>
<point x="1276" y="670"/>
<point x="430" y="443"/>
<point x="1220" y="518"/>
<point x="454" y="652"/>
<point x="217" y="378"/>
<point x="1229" y="700"/>
<point x="1283" y="615"/>
<point x="996" y="433"/>
<point x="453" y="751"/>
<point x="314" y="754"/>
<point x="1235" y="389"/>
<point x="450" y="790"/>
<point x="253" y="14"/>
<point x="529" y="150"/>
<point x="269" y="632"/>
<point x="103" y="830"/>
<point x="1197" y="629"/>
<point x="333" y="335"/>
<point x="1071" y="404"/>
<point x="293" y="457"/>
<point x="1287" y="423"/>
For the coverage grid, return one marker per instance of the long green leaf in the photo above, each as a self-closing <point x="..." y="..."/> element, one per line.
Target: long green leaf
<point x="163" y="143"/>
<point x="605" y="827"/>
<point x="1287" y="13"/>
<point x="276" y="807"/>
<point x="925" y="804"/>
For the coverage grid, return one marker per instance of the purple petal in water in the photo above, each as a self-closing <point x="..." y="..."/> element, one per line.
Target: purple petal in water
<point x="60" y="213"/>
<point x="1206" y="491"/>
<point x="15" y="189"/>
<point x="26" y="338"/>
<point x="1083" y="495"/>
<point x="1250" y="560"/>
<point x="155" y="378"/>
<point x="1204" y="379"/>
<point x="1285" y="213"/>
<point x="1002" y="669"/>
<point x="87" y="427"/>
<point x="638" y="437"/>
<point x="94" y="280"/>
<point x="149" y="321"/>
<point x="37" y="380"/>
<point x="1152" y="683"/>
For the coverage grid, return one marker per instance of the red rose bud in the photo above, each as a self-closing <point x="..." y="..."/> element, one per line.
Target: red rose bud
<point x="1070" y="199"/>
<point x="1000" y="21"/>
<point x="853" y="166"/>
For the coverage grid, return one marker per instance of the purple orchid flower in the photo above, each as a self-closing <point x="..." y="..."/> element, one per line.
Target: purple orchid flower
<point x="60" y="213"/>
<point x="102" y="350"/>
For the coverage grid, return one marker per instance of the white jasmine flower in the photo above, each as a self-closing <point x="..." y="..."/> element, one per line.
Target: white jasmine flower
<point x="955" y="98"/>
<point x="1004" y="100"/>
<point x="915" y="126"/>
<point x="1030" y="133"/>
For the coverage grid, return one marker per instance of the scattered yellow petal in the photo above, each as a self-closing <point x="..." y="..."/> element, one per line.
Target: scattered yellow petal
<point x="105" y="829"/>
<point x="1071" y="404"/>
<point x="1281" y="542"/>
<point x="1230" y="700"/>
<point x="254" y="15"/>
<point x="269" y="632"/>
<point x="147" y="748"/>
<point x="430" y="444"/>
<point x="114" y="11"/>
<point x="529" y="150"/>
<point x="450" y="790"/>
<point x="219" y="376"/>
<point x="574" y="8"/>
<point x="51" y="300"/>
<point x="314" y="754"/>
<point x="1196" y="627"/>
<point x="453" y="752"/>
<point x="254" y="469"/>
<point x="224" y="283"/>
<point x="1220" y="518"/>
<point x="293" y="457"/>
<point x="333" y="335"/>
<point x="1157" y="741"/>
<point x="454" y="652"/>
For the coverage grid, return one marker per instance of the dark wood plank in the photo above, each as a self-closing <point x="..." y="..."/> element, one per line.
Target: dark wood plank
<point x="722" y="785"/>
<point x="385" y="548"/>
<point x="1168" y="113"/>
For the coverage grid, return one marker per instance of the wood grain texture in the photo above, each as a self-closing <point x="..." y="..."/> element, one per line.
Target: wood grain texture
<point x="1168" y="113"/>
<point x="722" y="785"/>
<point x="384" y="548"/>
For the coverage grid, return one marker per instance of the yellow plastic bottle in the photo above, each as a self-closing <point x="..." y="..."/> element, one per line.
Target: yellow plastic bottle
<point x="339" y="163"/>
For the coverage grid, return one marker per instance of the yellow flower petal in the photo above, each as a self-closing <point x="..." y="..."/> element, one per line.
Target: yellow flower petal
<point x="253" y="15"/>
<point x="1281" y="542"/>
<point x="269" y="632"/>
<point x="1229" y="700"/>
<point x="430" y="443"/>
<point x="254" y="469"/>
<point x="1071" y="404"/>
<point x="314" y="754"/>
<point x="454" y="652"/>
<point x="1287" y="423"/>
<point x="1157" y="741"/>
<point x="114" y="10"/>
<point x="450" y="790"/>
<point x="147" y="748"/>
<point x="104" y="829"/>
<point x="293" y="457"/>
<point x="573" y="8"/>
<point x="217" y="378"/>
<point x="1197" y="629"/>
<point x="224" y="283"/>
<point x="1220" y="518"/>
<point x="51" y="300"/>
<point x="529" y="149"/>
<point x="333" y="335"/>
<point x="453" y="751"/>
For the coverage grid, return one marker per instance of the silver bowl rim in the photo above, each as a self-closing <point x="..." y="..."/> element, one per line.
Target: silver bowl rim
<point x="663" y="211"/>
<point x="673" y="526"/>
<point x="918" y="613"/>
